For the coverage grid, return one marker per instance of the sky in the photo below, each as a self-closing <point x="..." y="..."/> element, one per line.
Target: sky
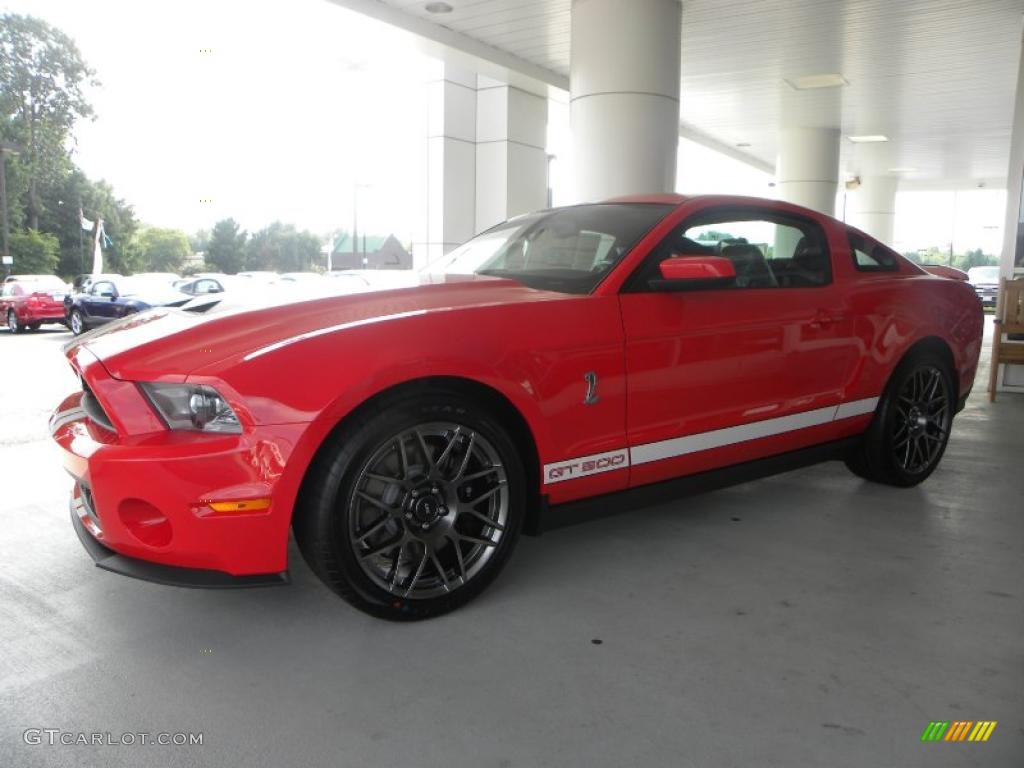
<point x="295" y="103"/>
<point x="269" y="110"/>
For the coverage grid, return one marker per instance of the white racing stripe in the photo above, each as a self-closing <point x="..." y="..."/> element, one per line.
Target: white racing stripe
<point x="856" y="408"/>
<point x="594" y="464"/>
<point x="570" y="469"/>
<point x="705" y="441"/>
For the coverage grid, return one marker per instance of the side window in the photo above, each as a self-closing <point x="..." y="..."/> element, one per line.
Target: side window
<point x="871" y="257"/>
<point x="767" y="250"/>
<point x="102" y="289"/>
<point x="8" y="290"/>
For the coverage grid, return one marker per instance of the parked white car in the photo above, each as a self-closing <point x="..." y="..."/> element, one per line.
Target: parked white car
<point x="985" y="281"/>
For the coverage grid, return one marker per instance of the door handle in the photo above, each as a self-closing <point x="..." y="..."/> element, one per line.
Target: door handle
<point x="823" y="319"/>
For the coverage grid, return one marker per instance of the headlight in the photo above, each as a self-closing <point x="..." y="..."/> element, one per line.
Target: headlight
<point x="192" y="406"/>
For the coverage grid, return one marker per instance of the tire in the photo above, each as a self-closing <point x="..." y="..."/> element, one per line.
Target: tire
<point x="13" y="324"/>
<point x="909" y="433"/>
<point x="414" y="506"/>
<point x="76" y="323"/>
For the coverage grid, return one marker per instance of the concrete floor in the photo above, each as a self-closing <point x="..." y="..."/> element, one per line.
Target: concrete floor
<point x="810" y="619"/>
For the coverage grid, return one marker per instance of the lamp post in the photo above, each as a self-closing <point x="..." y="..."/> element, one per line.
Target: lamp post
<point x="6" y="148"/>
<point x="355" y="218"/>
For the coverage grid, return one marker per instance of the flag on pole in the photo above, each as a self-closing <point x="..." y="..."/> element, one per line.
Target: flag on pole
<point x="86" y="224"/>
<point x="97" y="252"/>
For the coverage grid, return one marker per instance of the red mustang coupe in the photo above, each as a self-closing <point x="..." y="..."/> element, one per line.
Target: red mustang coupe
<point x="28" y="301"/>
<point x="562" y="362"/>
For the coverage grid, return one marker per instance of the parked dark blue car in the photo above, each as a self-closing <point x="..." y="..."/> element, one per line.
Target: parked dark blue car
<point x="109" y="297"/>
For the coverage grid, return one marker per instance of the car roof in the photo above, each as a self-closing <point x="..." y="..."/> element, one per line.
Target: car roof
<point x="663" y="198"/>
<point x="31" y="278"/>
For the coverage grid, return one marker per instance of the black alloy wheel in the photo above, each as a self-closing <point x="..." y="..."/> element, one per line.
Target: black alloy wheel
<point x="911" y="427"/>
<point x="413" y="507"/>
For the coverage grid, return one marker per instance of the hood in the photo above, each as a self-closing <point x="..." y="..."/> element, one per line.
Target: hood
<point x="158" y="297"/>
<point x="169" y="344"/>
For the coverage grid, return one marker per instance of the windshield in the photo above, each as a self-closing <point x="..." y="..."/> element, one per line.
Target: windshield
<point x="568" y="250"/>
<point x="983" y="274"/>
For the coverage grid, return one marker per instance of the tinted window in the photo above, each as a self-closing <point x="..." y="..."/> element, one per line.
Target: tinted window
<point x="99" y="289"/>
<point x="767" y="250"/>
<point x="568" y="250"/>
<point x="872" y="257"/>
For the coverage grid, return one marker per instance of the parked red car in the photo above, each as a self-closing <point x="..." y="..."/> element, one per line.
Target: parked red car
<point x="559" y="364"/>
<point x="28" y="301"/>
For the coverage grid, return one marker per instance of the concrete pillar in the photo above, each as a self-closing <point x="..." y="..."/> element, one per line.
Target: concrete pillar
<point x="511" y="160"/>
<point x="486" y="158"/>
<point x="624" y="96"/>
<point x="873" y="207"/>
<point x="807" y="171"/>
<point x="1011" y="261"/>
<point x="451" y="163"/>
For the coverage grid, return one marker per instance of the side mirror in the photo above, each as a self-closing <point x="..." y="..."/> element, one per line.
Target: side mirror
<point x="684" y="273"/>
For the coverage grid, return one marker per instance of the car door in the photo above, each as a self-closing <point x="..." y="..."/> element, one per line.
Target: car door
<point x="100" y="303"/>
<point x="734" y="372"/>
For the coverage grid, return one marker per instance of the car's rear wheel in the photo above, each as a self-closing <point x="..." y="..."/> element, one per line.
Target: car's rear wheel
<point x="910" y="430"/>
<point x="77" y="324"/>
<point x="414" y="506"/>
<point x="12" y="322"/>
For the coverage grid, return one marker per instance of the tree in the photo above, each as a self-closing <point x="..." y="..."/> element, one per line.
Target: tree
<point x="61" y="202"/>
<point x="281" y="247"/>
<point x="226" y="247"/>
<point x="975" y="258"/>
<point x="199" y="240"/>
<point x="162" y="250"/>
<point x="714" y="236"/>
<point x="42" y="75"/>
<point x="34" y="253"/>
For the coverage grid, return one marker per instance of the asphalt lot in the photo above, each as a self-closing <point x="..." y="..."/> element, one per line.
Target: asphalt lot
<point x="809" y="619"/>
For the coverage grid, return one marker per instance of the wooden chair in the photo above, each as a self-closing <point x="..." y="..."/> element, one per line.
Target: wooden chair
<point x="1009" y="320"/>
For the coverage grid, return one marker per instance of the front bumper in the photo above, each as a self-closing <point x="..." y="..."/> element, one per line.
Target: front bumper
<point x="144" y="500"/>
<point x="110" y="560"/>
<point x="987" y="296"/>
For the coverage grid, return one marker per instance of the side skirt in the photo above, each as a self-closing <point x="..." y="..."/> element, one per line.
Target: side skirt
<point x="573" y="512"/>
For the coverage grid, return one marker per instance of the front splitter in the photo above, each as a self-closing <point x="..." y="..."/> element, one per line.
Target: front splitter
<point x="171" y="575"/>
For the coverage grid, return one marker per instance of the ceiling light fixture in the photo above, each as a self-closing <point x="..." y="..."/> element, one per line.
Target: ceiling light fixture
<point x="809" y="82"/>
<point x="438" y="8"/>
<point x="902" y="169"/>
<point x="870" y="138"/>
<point x="743" y="144"/>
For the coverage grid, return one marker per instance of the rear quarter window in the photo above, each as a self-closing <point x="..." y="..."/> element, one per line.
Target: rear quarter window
<point x="869" y="256"/>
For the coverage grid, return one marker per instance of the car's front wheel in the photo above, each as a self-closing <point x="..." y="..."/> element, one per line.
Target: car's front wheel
<point x="910" y="430"/>
<point x="414" y="506"/>
<point x="76" y="322"/>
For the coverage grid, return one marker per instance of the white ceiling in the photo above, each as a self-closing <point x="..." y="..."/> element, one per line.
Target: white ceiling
<point x="935" y="76"/>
